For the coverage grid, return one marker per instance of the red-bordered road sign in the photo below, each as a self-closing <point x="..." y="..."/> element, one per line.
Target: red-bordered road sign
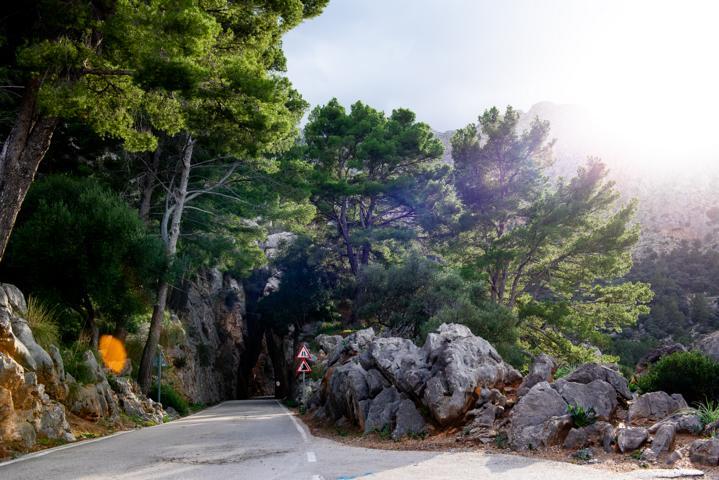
<point x="304" y="352"/>
<point x="304" y="367"/>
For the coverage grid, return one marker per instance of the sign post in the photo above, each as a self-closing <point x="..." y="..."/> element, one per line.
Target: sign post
<point x="303" y="355"/>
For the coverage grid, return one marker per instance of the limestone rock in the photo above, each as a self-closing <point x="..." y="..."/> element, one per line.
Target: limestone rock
<point x="589" y="372"/>
<point x="662" y="442"/>
<point x="375" y="382"/>
<point x="655" y="406"/>
<point x="402" y="362"/>
<point x="542" y="368"/>
<point x="705" y="452"/>
<point x="134" y="403"/>
<point x="382" y="410"/>
<point x="461" y="363"/>
<point x="539" y="419"/>
<point x="346" y="388"/>
<point x="597" y="394"/>
<point x="352" y="345"/>
<point x="598" y="433"/>
<point x="328" y="343"/>
<point x="408" y="420"/>
<point x="683" y="422"/>
<point x="630" y="439"/>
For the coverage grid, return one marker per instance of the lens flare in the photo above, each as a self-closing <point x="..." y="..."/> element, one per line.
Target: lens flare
<point x="113" y="353"/>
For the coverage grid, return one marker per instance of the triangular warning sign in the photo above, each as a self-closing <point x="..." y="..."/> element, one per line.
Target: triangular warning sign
<point x="304" y="367"/>
<point x="304" y="352"/>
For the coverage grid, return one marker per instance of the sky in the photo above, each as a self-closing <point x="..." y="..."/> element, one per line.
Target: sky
<point x="647" y="70"/>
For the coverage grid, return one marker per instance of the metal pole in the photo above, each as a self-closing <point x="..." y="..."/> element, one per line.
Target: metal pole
<point x="159" y="375"/>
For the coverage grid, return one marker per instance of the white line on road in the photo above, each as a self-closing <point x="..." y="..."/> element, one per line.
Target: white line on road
<point x="295" y="422"/>
<point x="311" y="457"/>
<point x="317" y="477"/>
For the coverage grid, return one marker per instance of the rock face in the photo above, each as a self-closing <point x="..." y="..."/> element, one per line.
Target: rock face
<point x="27" y="411"/>
<point x="212" y="312"/>
<point x="662" y="442"/>
<point x="590" y="372"/>
<point x="382" y="383"/>
<point x="35" y="389"/>
<point x="709" y="345"/>
<point x="597" y="395"/>
<point x="657" y="354"/>
<point x="655" y="406"/>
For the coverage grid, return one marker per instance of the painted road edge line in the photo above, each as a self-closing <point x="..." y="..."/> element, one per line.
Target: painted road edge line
<point x="297" y="425"/>
<point x="311" y="457"/>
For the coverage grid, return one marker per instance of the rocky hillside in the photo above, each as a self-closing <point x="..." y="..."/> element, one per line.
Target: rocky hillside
<point x="457" y="382"/>
<point x="37" y="396"/>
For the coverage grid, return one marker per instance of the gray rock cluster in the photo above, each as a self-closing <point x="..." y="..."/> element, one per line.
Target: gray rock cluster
<point x="381" y="384"/>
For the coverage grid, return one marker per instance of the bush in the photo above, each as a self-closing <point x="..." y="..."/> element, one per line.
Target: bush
<point x="689" y="373"/>
<point x="72" y="357"/>
<point x="170" y="398"/>
<point x="43" y="323"/>
<point x="708" y="412"/>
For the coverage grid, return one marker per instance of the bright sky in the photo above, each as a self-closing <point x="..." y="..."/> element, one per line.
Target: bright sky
<point x="648" y="70"/>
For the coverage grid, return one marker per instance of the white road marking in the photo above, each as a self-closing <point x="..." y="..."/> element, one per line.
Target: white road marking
<point x="297" y="425"/>
<point x="311" y="457"/>
<point x="317" y="477"/>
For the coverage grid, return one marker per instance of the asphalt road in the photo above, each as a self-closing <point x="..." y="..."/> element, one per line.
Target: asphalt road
<point x="261" y="440"/>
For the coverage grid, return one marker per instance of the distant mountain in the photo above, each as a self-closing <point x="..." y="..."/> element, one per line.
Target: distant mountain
<point x="673" y="205"/>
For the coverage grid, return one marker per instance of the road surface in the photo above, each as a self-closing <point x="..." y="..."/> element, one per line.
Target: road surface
<point x="261" y="440"/>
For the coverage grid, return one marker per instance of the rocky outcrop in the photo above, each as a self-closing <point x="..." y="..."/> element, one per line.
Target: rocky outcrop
<point x="27" y="410"/>
<point x="383" y="383"/>
<point x="662" y="442"/>
<point x="211" y="309"/>
<point x="36" y="392"/>
<point x="655" y="406"/>
<point x="597" y="434"/>
<point x="597" y="395"/>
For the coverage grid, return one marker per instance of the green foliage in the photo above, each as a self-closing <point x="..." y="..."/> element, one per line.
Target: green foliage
<point x="72" y="358"/>
<point x="43" y="323"/>
<point x="708" y="411"/>
<point x="691" y="374"/>
<point x="554" y="252"/>
<point x="584" y="454"/>
<point x="377" y="179"/>
<point x="81" y="246"/>
<point x="170" y="397"/>
<point x="564" y="370"/>
<point x="582" y="417"/>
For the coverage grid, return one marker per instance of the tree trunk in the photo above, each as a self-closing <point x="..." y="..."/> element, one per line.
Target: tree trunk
<point x="21" y="154"/>
<point x="170" y="237"/>
<point x="148" y="186"/>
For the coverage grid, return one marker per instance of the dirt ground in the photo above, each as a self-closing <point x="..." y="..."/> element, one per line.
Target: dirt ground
<point x="452" y="440"/>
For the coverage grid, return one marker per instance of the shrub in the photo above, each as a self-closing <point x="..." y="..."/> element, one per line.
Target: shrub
<point x="689" y="373"/>
<point x="582" y="417"/>
<point x="43" y="323"/>
<point x="170" y="398"/>
<point x="72" y="357"/>
<point x="708" y="411"/>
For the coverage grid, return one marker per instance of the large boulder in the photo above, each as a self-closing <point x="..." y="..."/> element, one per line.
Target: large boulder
<point x="345" y="391"/>
<point x="630" y="439"/>
<point x="539" y="419"/>
<point x="408" y="421"/>
<point x="683" y="422"/>
<point x="709" y="345"/>
<point x="461" y="366"/>
<point x="705" y="452"/>
<point x="402" y="362"/>
<point x="541" y="370"/>
<point x="382" y="411"/>
<point x="597" y="395"/>
<point x="590" y="372"/>
<point x="655" y="406"/>
<point x="328" y="343"/>
<point x="95" y="399"/>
